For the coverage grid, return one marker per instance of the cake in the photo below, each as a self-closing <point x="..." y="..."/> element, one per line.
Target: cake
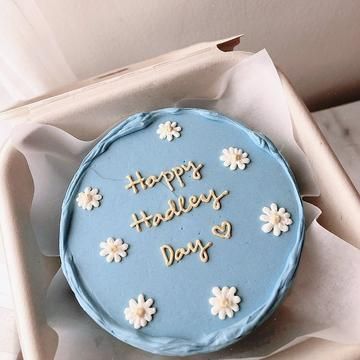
<point x="181" y="231"/>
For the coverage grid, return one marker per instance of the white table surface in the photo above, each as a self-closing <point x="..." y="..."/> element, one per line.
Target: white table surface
<point x="341" y="127"/>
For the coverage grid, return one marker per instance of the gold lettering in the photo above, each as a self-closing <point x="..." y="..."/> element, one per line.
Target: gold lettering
<point x="168" y="254"/>
<point x="177" y="209"/>
<point x="169" y="214"/>
<point x="137" y="222"/>
<point x="217" y="203"/>
<point x="180" y="253"/>
<point x="157" y="219"/>
<point x="133" y="183"/>
<point x="196" y="175"/>
<point x="173" y="207"/>
<point x="151" y="181"/>
<point x="204" y="257"/>
<point x="193" y="200"/>
<point x="178" y="171"/>
<point x="181" y="202"/>
<point x="168" y="176"/>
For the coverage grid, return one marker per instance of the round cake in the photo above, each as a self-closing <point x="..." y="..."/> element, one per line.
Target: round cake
<point x="181" y="231"/>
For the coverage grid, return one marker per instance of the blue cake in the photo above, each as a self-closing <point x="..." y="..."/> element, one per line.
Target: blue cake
<point x="181" y="231"/>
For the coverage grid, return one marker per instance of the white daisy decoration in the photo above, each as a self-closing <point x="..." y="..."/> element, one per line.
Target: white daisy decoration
<point x="113" y="249"/>
<point x="89" y="198"/>
<point x="169" y="130"/>
<point x="225" y="302"/>
<point x="139" y="312"/>
<point x="235" y="158"/>
<point x="277" y="220"/>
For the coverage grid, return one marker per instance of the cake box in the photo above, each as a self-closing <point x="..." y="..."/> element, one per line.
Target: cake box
<point x="31" y="272"/>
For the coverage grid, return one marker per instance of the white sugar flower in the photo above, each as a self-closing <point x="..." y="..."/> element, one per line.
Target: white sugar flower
<point x="139" y="313"/>
<point x="235" y="158"/>
<point x="113" y="249"/>
<point x="276" y="220"/>
<point x="225" y="302"/>
<point x="89" y="198"/>
<point x="169" y="130"/>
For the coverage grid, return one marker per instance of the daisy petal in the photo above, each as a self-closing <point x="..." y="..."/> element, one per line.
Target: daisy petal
<point x="94" y="191"/>
<point x="267" y="227"/>
<point x="212" y="301"/>
<point x="276" y="230"/>
<point x="283" y="228"/>
<point x="137" y="324"/>
<point x="216" y="291"/>
<point x="132" y="304"/>
<point x="103" y="252"/>
<point x="229" y="312"/>
<point x="141" y="299"/>
<point x="224" y="291"/>
<point x="214" y="310"/>
<point x="232" y="291"/>
<point x="143" y="322"/>
<point x="273" y="207"/>
<point x="152" y="311"/>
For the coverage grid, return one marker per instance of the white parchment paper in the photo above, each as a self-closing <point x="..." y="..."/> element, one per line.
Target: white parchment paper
<point x="324" y="298"/>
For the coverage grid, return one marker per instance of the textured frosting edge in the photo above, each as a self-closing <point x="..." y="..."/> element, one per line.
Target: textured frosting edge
<point x="169" y="345"/>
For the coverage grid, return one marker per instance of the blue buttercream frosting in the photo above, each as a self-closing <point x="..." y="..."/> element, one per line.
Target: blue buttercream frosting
<point x="260" y="265"/>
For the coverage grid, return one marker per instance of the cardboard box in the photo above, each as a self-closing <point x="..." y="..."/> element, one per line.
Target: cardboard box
<point x="31" y="272"/>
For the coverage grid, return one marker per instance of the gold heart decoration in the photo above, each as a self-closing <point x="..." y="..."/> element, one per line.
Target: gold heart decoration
<point x="223" y="230"/>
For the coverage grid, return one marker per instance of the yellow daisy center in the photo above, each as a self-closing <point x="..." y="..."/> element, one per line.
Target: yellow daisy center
<point x="238" y="157"/>
<point x="275" y="218"/>
<point x="224" y="303"/>
<point x="140" y="311"/>
<point x="114" y="248"/>
<point x="88" y="197"/>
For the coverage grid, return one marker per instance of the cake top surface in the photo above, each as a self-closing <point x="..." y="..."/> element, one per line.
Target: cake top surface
<point x="181" y="231"/>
